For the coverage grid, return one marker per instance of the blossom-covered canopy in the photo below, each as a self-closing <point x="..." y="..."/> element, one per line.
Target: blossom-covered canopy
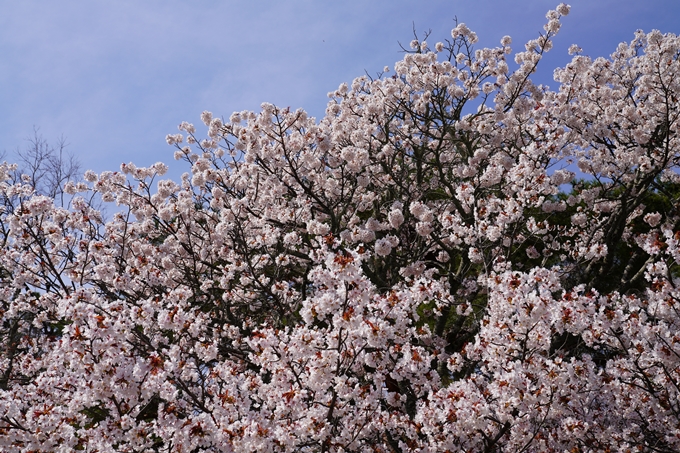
<point x="419" y="270"/>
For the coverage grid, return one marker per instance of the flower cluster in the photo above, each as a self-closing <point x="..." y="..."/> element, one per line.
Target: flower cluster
<point x="406" y="274"/>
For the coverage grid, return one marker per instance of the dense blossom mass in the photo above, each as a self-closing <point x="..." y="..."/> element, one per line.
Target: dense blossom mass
<point x="421" y="270"/>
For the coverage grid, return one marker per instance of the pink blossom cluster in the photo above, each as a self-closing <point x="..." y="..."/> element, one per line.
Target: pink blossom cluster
<point x="406" y="274"/>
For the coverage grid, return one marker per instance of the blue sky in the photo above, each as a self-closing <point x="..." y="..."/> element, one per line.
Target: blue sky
<point x="114" y="77"/>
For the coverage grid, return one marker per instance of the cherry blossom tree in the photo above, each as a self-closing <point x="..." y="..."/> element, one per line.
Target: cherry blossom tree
<point x="405" y="274"/>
